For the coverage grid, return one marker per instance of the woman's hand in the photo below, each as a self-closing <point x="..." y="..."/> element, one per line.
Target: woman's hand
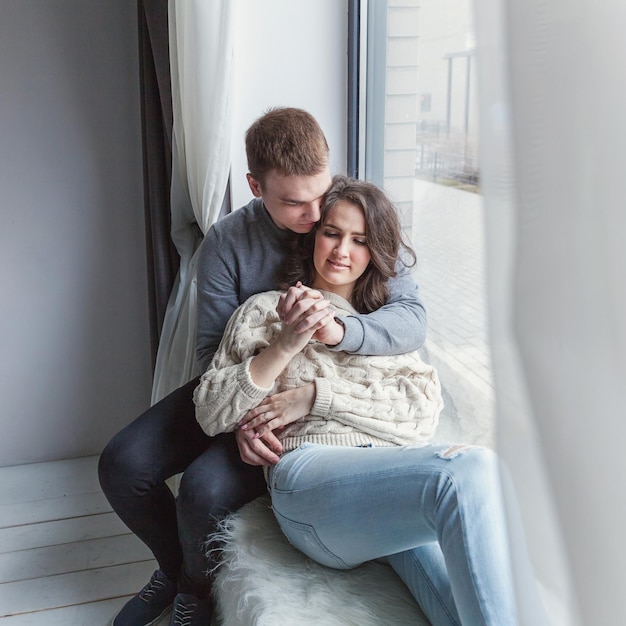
<point x="303" y="308"/>
<point x="296" y="333"/>
<point x="279" y="410"/>
<point x="288" y="300"/>
<point x="306" y="316"/>
<point x="306" y="309"/>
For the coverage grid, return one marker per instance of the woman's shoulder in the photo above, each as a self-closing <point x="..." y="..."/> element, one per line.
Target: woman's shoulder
<point x="255" y="316"/>
<point x="267" y="301"/>
<point x="263" y="301"/>
<point x="263" y="298"/>
<point x="340" y="304"/>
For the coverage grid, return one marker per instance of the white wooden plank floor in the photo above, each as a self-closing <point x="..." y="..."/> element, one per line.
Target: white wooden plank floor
<point x="65" y="558"/>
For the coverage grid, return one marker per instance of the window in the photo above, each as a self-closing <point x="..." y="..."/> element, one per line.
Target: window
<point x="419" y="139"/>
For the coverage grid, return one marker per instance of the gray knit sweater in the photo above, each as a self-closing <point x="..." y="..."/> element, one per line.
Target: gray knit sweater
<point x="240" y="256"/>
<point x="379" y="400"/>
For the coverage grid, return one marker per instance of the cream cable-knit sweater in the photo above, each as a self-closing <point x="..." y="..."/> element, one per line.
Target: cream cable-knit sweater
<point x="379" y="400"/>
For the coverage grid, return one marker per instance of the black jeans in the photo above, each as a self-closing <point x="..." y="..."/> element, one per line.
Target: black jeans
<point x="164" y="441"/>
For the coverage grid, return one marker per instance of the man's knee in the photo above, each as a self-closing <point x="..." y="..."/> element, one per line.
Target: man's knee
<point x="211" y="485"/>
<point x="202" y="491"/>
<point x="111" y="466"/>
<point x="158" y="444"/>
<point x="121" y="466"/>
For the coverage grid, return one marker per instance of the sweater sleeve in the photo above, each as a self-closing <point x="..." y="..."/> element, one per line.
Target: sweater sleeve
<point x="397" y="327"/>
<point x="226" y="390"/>
<point x="397" y="399"/>
<point x="217" y="297"/>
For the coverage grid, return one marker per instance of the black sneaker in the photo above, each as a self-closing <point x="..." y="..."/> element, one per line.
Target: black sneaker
<point x="150" y="604"/>
<point x="191" y="611"/>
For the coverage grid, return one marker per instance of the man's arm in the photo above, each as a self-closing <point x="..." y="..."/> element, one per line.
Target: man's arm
<point x="217" y="289"/>
<point x="397" y="327"/>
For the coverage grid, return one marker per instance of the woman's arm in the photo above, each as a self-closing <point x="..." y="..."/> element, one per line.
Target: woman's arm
<point x="225" y="392"/>
<point x="224" y="395"/>
<point x="397" y="399"/>
<point x="254" y="351"/>
<point x="280" y="409"/>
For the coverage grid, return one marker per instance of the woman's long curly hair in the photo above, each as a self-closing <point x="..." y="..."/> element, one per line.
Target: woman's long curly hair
<point x="384" y="241"/>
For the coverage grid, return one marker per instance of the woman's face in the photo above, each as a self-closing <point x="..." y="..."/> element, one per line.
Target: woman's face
<point x="341" y="254"/>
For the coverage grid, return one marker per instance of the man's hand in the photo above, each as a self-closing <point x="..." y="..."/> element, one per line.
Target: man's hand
<point x="256" y="451"/>
<point x="279" y="410"/>
<point x="331" y="333"/>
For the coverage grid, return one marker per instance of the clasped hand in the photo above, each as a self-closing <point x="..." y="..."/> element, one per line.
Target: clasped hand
<point x="306" y="311"/>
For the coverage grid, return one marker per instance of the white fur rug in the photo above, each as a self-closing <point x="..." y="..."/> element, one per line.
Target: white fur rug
<point x="265" y="581"/>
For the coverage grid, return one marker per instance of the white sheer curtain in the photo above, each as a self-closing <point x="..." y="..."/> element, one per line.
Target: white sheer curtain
<point x="201" y="59"/>
<point x="553" y="144"/>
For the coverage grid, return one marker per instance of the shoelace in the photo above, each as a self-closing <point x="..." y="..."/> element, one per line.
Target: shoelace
<point x="183" y="614"/>
<point x="151" y="589"/>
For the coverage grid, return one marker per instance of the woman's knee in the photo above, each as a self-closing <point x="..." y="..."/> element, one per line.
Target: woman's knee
<point x="471" y="455"/>
<point x="472" y="469"/>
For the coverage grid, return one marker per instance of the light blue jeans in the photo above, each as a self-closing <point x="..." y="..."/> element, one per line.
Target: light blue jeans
<point x="434" y="511"/>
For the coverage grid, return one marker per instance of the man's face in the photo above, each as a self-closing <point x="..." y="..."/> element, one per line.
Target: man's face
<point x="293" y="202"/>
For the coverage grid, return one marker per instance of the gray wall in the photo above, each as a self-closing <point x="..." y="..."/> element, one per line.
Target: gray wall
<point x="74" y="342"/>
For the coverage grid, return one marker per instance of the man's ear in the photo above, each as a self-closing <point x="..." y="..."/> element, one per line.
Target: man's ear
<point x="255" y="185"/>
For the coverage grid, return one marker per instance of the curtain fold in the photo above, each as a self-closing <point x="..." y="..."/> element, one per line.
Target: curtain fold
<point x="518" y="440"/>
<point x="201" y="62"/>
<point x="156" y="115"/>
<point x="552" y="143"/>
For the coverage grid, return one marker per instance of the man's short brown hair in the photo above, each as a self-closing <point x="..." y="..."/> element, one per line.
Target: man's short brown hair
<point x="287" y="140"/>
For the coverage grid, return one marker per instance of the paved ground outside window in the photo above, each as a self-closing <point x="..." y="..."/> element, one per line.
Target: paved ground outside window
<point x="448" y="236"/>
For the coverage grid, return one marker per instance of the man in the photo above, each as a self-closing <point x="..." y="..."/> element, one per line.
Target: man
<point x="288" y="175"/>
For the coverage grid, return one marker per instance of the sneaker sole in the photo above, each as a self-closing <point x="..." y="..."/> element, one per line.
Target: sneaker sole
<point x="155" y="621"/>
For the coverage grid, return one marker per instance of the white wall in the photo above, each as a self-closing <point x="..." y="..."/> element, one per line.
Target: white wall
<point x="74" y="333"/>
<point x="290" y="53"/>
<point x="74" y="342"/>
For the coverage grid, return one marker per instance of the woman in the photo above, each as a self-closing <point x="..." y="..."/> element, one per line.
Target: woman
<point x="356" y="480"/>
